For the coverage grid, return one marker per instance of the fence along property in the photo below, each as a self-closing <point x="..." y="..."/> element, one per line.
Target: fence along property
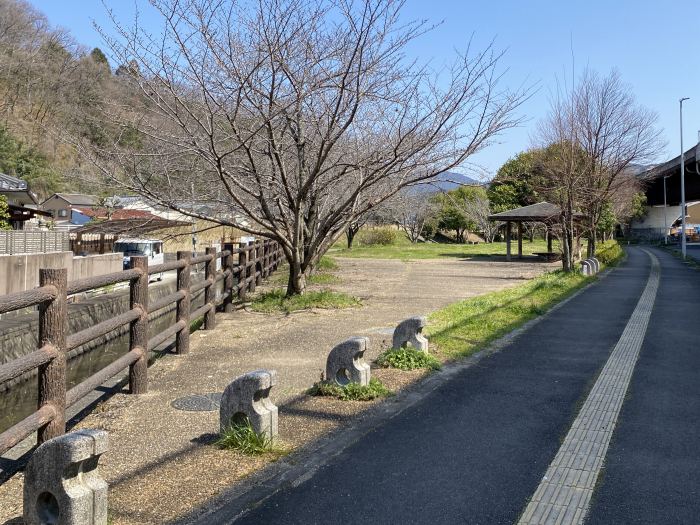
<point x="255" y="261"/>
<point x="20" y="241"/>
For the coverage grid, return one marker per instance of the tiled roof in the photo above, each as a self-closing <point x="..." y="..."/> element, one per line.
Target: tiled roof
<point x="8" y="183"/>
<point x="115" y="214"/>
<point x="539" y="211"/>
<point x="78" y="199"/>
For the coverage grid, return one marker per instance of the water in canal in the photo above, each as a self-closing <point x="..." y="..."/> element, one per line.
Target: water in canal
<point x="21" y="400"/>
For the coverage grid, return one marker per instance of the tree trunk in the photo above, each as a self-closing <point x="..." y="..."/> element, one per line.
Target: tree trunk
<point x="592" y="244"/>
<point x="350" y="235"/>
<point x="297" y="280"/>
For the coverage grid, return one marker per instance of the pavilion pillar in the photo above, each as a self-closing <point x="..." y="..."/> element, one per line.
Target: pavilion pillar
<point x="508" y="235"/>
<point x="520" y="239"/>
<point x="549" y="240"/>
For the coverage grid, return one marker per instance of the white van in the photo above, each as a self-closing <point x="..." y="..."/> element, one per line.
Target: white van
<point x="151" y="248"/>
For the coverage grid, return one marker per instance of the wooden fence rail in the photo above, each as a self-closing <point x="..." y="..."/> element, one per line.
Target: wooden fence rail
<point x="255" y="261"/>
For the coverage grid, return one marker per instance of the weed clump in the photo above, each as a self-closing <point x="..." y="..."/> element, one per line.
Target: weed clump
<point x="242" y="437"/>
<point x="277" y="301"/>
<point x="351" y="391"/>
<point x="408" y="359"/>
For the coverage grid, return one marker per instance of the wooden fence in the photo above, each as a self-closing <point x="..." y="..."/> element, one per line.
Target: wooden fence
<point x="92" y="243"/>
<point x="21" y="241"/>
<point x="255" y="261"/>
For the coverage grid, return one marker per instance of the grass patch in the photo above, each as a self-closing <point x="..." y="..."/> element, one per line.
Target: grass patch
<point x="242" y="437"/>
<point x="462" y="328"/>
<point x="351" y="391"/>
<point x="323" y="278"/>
<point x="403" y="249"/>
<point x="276" y="301"/>
<point x="196" y="324"/>
<point x="408" y="359"/>
<point x="678" y="254"/>
<point x="327" y="264"/>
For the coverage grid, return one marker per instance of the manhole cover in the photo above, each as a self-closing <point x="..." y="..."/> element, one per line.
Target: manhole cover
<point x="383" y="331"/>
<point x="198" y="402"/>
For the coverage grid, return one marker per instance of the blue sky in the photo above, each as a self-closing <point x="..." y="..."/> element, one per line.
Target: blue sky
<point x="643" y="39"/>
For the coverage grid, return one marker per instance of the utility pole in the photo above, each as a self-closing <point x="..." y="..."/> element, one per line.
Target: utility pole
<point x="665" y="217"/>
<point x="683" y="242"/>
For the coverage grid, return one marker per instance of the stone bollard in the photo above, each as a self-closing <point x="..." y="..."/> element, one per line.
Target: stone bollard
<point x="586" y="267"/>
<point x="61" y="483"/>
<point x="410" y="331"/>
<point x="346" y="364"/>
<point x="249" y="396"/>
<point x="596" y="264"/>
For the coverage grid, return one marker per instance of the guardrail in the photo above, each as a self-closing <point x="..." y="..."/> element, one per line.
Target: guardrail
<point x="256" y="260"/>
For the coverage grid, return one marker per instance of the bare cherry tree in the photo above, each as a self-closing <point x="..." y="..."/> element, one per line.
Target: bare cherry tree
<point x="595" y="132"/>
<point x="298" y="115"/>
<point x="616" y="133"/>
<point x="411" y="210"/>
<point x="477" y="210"/>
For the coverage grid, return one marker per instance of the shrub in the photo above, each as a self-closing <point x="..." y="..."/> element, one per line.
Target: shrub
<point x="408" y="359"/>
<point x="351" y="391"/>
<point x="609" y="253"/>
<point x="376" y="237"/>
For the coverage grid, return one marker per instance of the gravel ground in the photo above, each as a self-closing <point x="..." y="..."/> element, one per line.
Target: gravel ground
<point x="161" y="463"/>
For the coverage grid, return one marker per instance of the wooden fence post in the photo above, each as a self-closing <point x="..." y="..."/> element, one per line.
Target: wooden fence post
<point x="182" y="341"/>
<point x="78" y="244"/>
<point x="227" y="264"/>
<point x="262" y="256"/>
<point x="138" y="328"/>
<point x="53" y="323"/>
<point x="259" y="261"/>
<point x="102" y="243"/>
<point x="243" y="270"/>
<point x="252" y="264"/>
<point x="210" y="273"/>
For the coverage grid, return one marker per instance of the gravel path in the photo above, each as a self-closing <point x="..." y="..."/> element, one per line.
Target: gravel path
<point x="161" y="463"/>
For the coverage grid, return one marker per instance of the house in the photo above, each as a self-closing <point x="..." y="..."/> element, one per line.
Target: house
<point x="62" y="207"/>
<point x="131" y="202"/>
<point x="21" y="201"/>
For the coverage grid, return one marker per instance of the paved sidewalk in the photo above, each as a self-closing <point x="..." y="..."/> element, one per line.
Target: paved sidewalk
<point x="652" y="469"/>
<point x="476" y="449"/>
<point x="565" y="492"/>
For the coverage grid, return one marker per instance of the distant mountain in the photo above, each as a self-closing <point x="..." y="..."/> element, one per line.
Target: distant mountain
<point x="446" y="181"/>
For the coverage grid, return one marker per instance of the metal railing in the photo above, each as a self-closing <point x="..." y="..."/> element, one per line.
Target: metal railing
<point x="256" y="260"/>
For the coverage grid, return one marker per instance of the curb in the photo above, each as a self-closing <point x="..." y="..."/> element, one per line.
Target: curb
<point x="301" y="465"/>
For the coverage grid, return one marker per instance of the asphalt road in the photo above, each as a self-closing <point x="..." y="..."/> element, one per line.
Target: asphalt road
<point x="652" y="470"/>
<point x="474" y="450"/>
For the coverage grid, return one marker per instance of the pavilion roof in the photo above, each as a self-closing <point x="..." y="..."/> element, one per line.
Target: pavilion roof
<point x="540" y="212"/>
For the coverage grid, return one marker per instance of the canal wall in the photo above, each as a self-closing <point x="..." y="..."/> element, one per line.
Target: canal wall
<point x="21" y="272"/>
<point x="19" y="333"/>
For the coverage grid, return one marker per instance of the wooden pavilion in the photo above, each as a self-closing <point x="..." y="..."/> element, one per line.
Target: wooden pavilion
<point x="544" y="212"/>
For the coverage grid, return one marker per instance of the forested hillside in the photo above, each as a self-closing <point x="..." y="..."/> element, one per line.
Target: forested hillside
<point x="48" y="84"/>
